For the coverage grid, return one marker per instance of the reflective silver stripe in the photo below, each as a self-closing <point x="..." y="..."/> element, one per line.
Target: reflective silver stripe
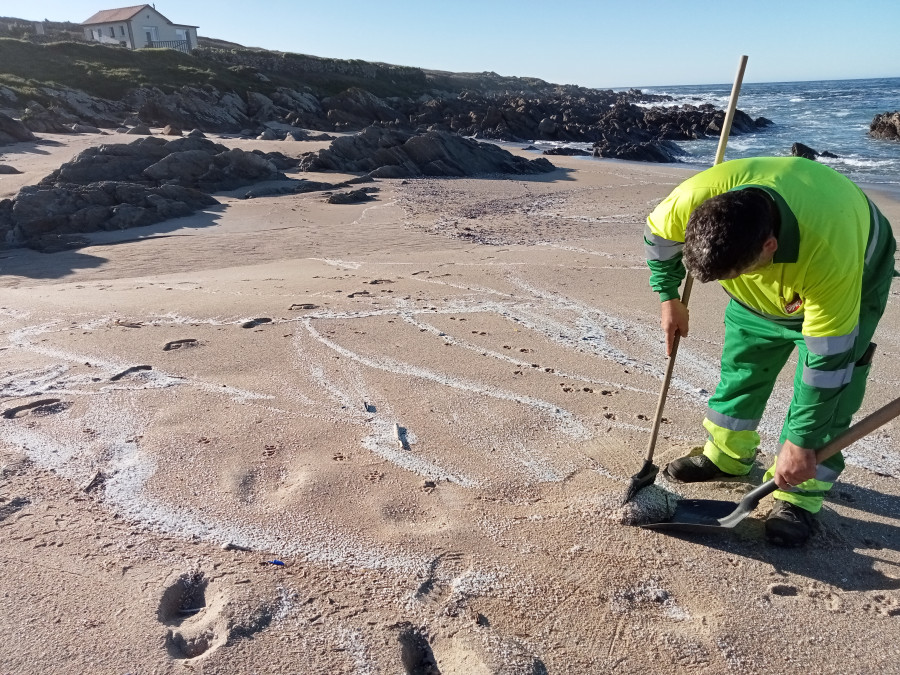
<point x="659" y="248"/>
<point x="831" y="345"/>
<point x="876" y="230"/>
<point x="730" y="423"/>
<point x="827" y="379"/>
<point x="826" y="475"/>
<point x="823" y="473"/>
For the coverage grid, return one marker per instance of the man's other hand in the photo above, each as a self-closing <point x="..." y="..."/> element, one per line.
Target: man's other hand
<point x="674" y="320"/>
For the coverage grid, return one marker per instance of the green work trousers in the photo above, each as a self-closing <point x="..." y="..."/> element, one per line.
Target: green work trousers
<point x="754" y="352"/>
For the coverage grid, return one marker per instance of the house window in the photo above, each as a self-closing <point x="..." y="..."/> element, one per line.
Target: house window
<point x="112" y="31"/>
<point x="121" y="30"/>
<point x="151" y="33"/>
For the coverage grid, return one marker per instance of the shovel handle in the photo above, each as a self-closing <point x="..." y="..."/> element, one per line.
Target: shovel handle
<point x="862" y="428"/>
<point x="689" y="280"/>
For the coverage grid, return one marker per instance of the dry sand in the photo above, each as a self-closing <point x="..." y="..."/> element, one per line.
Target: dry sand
<point x="428" y="408"/>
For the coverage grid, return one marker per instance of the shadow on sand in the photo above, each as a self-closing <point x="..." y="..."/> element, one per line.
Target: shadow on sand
<point x="843" y="551"/>
<point x="28" y="148"/>
<point x="23" y="262"/>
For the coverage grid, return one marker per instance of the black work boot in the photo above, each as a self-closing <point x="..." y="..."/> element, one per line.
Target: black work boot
<point x="694" y="469"/>
<point x="788" y="524"/>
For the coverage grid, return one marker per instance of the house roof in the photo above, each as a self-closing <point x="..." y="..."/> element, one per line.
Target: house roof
<point x="110" y="15"/>
<point x="123" y="14"/>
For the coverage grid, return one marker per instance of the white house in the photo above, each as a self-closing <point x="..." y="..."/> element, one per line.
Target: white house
<point x="137" y="27"/>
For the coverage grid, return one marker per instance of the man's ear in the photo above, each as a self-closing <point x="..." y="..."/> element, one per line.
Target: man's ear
<point x="770" y="245"/>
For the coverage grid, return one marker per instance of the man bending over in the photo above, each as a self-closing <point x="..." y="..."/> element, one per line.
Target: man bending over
<point x="808" y="260"/>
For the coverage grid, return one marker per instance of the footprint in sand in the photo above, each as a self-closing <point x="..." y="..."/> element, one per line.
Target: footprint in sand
<point x="44" y="406"/>
<point x="303" y="305"/>
<point x="12" y="506"/>
<point x="415" y="652"/>
<point x="195" y="625"/>
<point x="884" y="605"/>
<point x="200" y="620"/>
<point x="381" y="281"/>
<point x="785" y="590"/>
<point x="178" y="344"/>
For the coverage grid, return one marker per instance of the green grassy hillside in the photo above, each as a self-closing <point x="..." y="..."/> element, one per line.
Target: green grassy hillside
<point x="110" y="71"/>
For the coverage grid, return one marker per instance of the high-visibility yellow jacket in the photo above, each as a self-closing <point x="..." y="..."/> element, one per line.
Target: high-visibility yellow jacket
<point x="831" y="236"/>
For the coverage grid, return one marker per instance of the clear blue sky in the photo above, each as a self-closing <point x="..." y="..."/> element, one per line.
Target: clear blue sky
<point x="599" y="43"/>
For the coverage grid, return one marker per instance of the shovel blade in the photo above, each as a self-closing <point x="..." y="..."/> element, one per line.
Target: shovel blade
<point x="712" y="515"/>
<point x="699" y="515"/>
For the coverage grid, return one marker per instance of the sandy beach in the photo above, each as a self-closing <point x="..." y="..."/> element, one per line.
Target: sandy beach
<point x="286" y="436"/>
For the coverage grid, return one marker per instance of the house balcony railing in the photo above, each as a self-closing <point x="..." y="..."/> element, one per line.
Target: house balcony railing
<point x="180" y="45"/>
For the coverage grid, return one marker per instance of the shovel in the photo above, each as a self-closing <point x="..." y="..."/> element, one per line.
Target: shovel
<point x="710" y="515"/>
<point x="647" y="475"/>
<point x="648" y="471"/>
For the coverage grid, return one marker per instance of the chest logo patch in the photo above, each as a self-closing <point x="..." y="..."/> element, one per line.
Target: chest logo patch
<point x="794" y="305"/>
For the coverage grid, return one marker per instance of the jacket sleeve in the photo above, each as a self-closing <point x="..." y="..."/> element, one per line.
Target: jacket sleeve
<point x="830" y="329"/>
<point x="663" y="244"/>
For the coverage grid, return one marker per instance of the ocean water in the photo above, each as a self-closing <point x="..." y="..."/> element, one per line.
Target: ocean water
<point x="828" y="115"/>
<point x="832" y="115"/>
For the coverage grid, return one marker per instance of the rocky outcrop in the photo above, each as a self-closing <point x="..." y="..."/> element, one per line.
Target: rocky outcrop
<point x="352" y="197"/>
<point x="886" y="126"/>
<point x="390" y="153"/>
<point x="204" y="108"/>
<point x="67" y="208"/>
<point x="53" y="120"/>
<point x="114" y="187"/>
<point x="801" y="150"/>
<point x="567" y="152"/>
<point x="189" y="162"/>
<point x="610" y="120"/>
<point x="630" y="132"/>
<point x="13" y="131"/>
<point x="356" y="108"/>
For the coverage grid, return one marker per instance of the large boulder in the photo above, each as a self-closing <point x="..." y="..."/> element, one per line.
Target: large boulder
<point x="299" y="102"/>
<point x="53" y="120"/>
<point x="113" y="187"/>
<point x="90" y="110"/>
<point x="13" y="131"/>
<point x="567" y="152"/>
<point x="389" y="153"/>
<point x="67" y="208"/>
<point x="886" y="126"/>
<point x="203" y="108"/>
<point x="801" y="150"/>
<point x="357" y="108"/>
<point x="111" y="163"/>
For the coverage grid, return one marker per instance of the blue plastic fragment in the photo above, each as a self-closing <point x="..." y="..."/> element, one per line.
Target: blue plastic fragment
<point x="274" y="562"/>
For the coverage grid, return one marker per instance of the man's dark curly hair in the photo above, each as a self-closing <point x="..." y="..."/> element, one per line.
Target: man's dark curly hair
<point x="726" y="233"/>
